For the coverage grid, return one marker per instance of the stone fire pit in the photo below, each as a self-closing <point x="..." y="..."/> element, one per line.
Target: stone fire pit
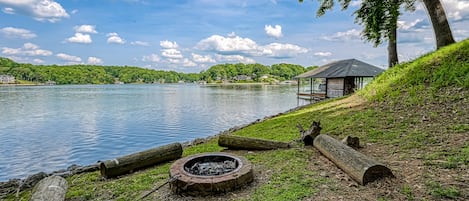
<point x="210" y="173"/>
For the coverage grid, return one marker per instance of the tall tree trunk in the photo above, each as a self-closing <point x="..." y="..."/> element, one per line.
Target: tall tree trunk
<point x="392" y="47"/>
<point x="440" y="23"/>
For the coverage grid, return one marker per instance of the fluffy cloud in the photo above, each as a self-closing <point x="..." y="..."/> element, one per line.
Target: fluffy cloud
<point x="151" y="58"/>
<point x="94" y="60"/>
<point x="235" y="45"/>
<point x="68" y="58"/>
<point x="28" y="49"/>
<point x="168" y="44"/>
<point x="171" y="53"/>
<point x="114" y="38"/>
<point x="275" y="32"/>
<point x="323" y="54"/>
<point x="351" y="34"/>
<point x="85" y="29"/>
<point x="234" y="59"/>
<point x="38" y="61"/>
<point x="183" y="62"/>
<point x="8" y="11"/>
<point x="279" y="50"/>
<point x="417" y="25"/>
<point x="228" y="45"/>
<point x="140" y="43"/>
<point x="202" y="59"/>
<point x="12" y="32"/>
<point x="80" y="38"/>
<point x="457" y="10"/>
<point x="41" y="10"/>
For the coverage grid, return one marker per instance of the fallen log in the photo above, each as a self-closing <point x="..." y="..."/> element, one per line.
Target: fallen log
<point x="307" y="136"/>
<point x="51" y="188"/>
<point x="245" y="143"/>
<point x="129" y="163"/>
<point x="360" y="167"/>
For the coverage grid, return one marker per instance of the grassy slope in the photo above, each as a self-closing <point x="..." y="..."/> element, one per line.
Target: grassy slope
<point x="413" y="117"/>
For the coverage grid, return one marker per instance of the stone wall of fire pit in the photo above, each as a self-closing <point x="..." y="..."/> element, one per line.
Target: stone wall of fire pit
<point x="210" y="173"/>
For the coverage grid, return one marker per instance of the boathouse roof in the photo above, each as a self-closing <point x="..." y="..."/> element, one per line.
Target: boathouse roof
<point x="343" y="68"/>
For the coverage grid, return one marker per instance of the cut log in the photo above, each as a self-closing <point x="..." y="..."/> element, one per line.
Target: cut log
<point x="360" y="167"/>
<point x="245" y="143"/>
<point x="129" y="163"/>
<point x="51" y="188"/>
<point x="307" y="136"/>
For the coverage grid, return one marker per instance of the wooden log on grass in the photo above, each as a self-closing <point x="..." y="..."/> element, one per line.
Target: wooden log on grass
<point x="51" y="188"/>
<point x="307" y="136"/>
<point x="360" y="167"/>
<point x="246" y="143"/>
<point x="129" y="163"/>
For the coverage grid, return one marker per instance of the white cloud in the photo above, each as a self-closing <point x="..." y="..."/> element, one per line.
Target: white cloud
<point x="279" y="50"/>
<point x="229" y="45"/>
<point x="168" y="44"/>
<point x="12" y="32"/>
<point x="323" y="54"/>
<point x="417" y="25"/>
<point x="235" y="45"/>
<point x="151" y="58"/>
<point x="234" y="59"/>
<point x="171" y="53"/>
<point x="140" y="43"/>
<point x="38" y="61"/>
<point x="351" y="34"/>
<point x="202" y="59"/>
<point x="457" y="9"/>
<point x="85" y="29"/>
<point x="94" y="60"/>
<point x="69" y="58"/>
<point x="41" y="10"/>
<point x="355" y="3"/>
<point x="28" y="49"/>
<point x="10" y="11"/>
<point x="75" y="11"/>
<point x="114" y="38"/>
<point x="80" y="38"/>
<point x="275" y="32"/>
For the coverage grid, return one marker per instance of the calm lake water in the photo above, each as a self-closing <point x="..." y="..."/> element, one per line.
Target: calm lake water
<point x="47" y="128"/>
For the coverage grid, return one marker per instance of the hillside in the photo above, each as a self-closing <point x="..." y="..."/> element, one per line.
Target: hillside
<point x="414" y="118"/>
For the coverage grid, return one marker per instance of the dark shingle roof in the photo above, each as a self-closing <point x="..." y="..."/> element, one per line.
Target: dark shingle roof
<point x="343" y="68"/>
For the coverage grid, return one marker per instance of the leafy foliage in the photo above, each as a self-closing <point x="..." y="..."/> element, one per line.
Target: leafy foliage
<point x="92" y="74"/>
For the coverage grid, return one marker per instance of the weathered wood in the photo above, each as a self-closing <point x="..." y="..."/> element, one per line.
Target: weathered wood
<point x="350" y="141"/>
<point x="245" y="143"/>
<point x="307" y="136"/>
<point x="361" y="168"/>
<point x="51" y="188"/>
<point x="129" y="163"/>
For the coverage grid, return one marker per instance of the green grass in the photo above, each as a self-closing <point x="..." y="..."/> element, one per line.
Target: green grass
<point x="417" y="110"/>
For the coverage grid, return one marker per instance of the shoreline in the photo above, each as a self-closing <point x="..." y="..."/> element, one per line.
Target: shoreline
<point x="17" y="184"/>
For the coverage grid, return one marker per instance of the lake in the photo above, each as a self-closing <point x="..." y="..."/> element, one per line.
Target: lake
<point x="47" y="128"/>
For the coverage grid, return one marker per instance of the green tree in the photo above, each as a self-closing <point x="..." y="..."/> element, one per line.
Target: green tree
<point x="379" y="18"/>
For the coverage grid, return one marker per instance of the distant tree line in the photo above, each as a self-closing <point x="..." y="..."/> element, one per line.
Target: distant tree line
<point x="93" y="74"/>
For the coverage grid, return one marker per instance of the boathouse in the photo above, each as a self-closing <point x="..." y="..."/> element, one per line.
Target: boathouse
<point x="336" y="79"/>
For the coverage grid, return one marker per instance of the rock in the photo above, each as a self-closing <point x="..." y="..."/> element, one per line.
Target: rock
<point x="32" y="180"/>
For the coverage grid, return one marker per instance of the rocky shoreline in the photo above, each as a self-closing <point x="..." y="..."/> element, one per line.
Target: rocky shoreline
<point x="16" y="185"/>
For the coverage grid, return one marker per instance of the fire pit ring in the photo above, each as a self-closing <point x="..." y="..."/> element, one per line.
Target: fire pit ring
<point x="210" y="173"/>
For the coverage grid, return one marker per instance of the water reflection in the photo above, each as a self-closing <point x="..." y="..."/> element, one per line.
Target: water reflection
<point x="47" y="128"/>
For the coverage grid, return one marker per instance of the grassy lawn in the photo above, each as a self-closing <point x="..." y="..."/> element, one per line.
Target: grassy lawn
<point x="413" y="118"/>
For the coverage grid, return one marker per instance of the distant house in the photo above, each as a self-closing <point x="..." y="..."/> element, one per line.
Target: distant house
<point x="337" y="79"/>
<point x="7" y="79"/>
<point x="50" y="82"/>
<point x="242" y="78"/>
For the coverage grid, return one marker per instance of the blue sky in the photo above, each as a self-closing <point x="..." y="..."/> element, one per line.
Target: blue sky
<point x="190" y="36"/>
